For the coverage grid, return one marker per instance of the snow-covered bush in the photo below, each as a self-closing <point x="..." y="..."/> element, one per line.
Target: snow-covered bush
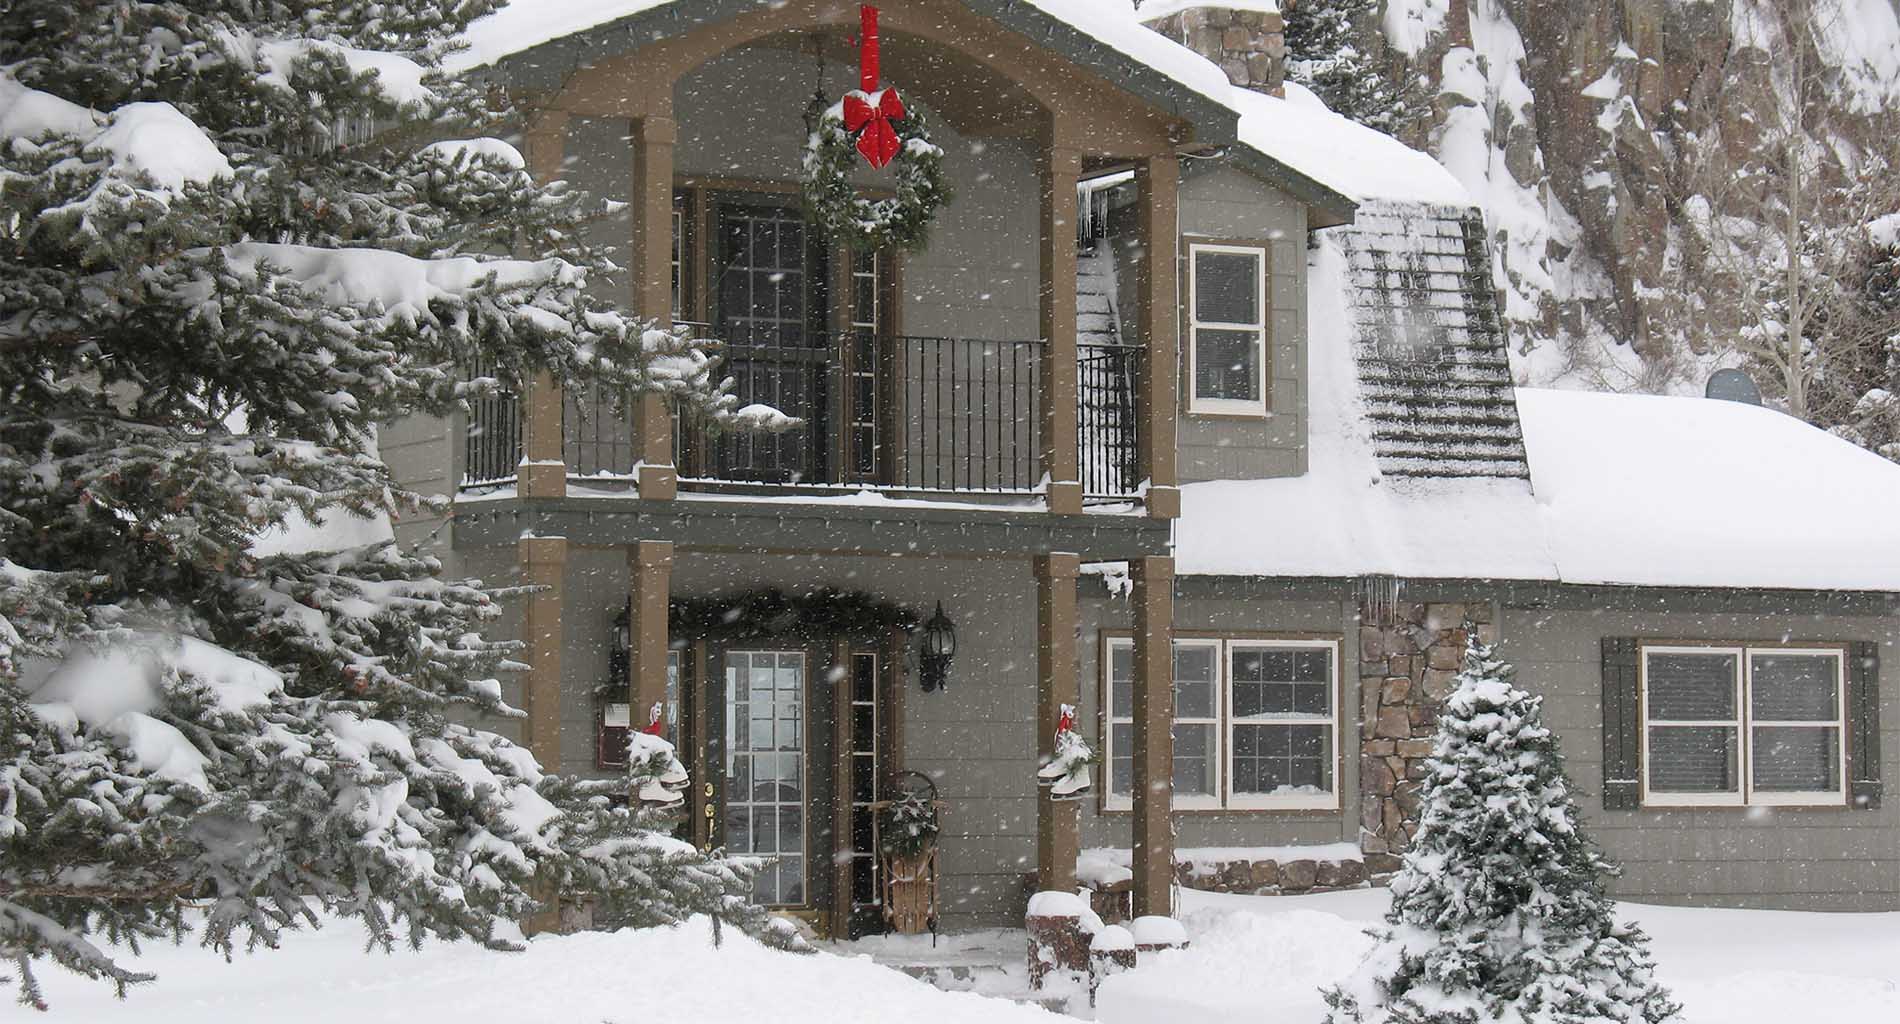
<point x="1499" y="911"/>
<point x="231" y="243"/>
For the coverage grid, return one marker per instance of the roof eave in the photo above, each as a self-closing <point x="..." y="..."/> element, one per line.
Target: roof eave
<point x="1326" y="206"/>
<point x="544" y="66"/>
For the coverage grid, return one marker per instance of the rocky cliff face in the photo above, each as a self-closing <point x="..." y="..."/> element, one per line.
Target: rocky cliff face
<point x="1571" y="122"/>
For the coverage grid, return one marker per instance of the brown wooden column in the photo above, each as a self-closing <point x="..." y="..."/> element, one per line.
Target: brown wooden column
<point x="543" y="563"/>
<point x="655" y="136"/>
<point x="1158" y="322"/>
<point x="1057" y="624"/>
<point x="650" y="577"/>
<point x="542" y="473"/>
<point x="1061" y="167"/>
<point x="1154" y="739"/>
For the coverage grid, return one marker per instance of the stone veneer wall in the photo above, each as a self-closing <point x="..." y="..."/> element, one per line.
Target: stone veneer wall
<point x="1249" y="45"/>
<point x="1406" y="670"/>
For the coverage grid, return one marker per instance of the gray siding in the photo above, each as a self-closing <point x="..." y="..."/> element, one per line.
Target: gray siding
<point x="1789" y="858"/>
<point x="978" y="278"/>
<point x="1220" y="202"/>
<point x="422" y="457"/>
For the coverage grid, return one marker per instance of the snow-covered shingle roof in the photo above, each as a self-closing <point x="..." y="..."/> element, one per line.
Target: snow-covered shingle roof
<point x="1623" y="489"/>
<point x="1320" y="157"/>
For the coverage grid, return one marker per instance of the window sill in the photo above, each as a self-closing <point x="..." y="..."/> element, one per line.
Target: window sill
<point x="1827" y="802"/>
<point x="1254" y="415"/>
<point x="1122" y="807"/>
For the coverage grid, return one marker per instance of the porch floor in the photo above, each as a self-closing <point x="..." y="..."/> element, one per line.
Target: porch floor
<point x="990" y="962"/>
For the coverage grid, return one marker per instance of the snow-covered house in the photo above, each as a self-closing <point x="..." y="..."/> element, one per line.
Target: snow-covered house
<point x="1194" y="413"/>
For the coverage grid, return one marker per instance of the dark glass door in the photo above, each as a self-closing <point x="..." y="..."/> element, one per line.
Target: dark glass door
<point x="771" y="282"/>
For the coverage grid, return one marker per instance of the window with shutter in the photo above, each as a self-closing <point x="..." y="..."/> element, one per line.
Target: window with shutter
<point x="1742" y="725"/>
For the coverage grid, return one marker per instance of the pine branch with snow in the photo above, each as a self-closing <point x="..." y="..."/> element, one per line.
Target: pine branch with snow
<point x="1499" y="911"/>
<point x="1332" y="48"/>
<point x="232" y="242"/>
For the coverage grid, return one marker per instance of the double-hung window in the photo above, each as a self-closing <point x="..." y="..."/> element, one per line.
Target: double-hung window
<point x="1227" y="329"/>
<point x="1743" y="725"/>
<point x="1256" y="723"/>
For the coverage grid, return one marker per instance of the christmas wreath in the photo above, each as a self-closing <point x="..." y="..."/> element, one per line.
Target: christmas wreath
<point x="865" y="122"/>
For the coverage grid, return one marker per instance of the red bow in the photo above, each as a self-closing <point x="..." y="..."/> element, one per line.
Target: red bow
<point x="1067" y="721"/>
<point x="869" y="118"/>
<point x="656" y="725"/>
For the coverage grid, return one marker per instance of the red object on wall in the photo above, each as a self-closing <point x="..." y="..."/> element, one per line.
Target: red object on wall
<point x="868" y="56"/>
<point x="877" y="139"/>
<point x="869" y="116"/>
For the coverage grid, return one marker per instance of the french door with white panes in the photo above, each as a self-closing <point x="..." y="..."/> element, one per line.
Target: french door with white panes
<point x="766" y="771"/>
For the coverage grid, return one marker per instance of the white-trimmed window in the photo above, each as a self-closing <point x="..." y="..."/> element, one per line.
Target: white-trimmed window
<point x="1227" y="329"/>
<point x="1256" y="724"/>
<point x="1731" y="726"/>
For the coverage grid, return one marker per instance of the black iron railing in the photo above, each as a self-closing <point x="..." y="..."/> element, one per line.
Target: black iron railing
<point x="491" y="446"/>
<point x="911" y="413"/>
<point x="1108" y="381"/>
<point x="899" y="412"/>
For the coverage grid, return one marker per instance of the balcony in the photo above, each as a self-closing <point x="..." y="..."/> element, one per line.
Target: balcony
<point x="913" y="416"/>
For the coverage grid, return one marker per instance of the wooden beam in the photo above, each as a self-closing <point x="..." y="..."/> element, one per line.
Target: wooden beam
<point x="542" y="473"/>
<point x="650" y="578"/>
<point x="1153" y="599"/>
<point x="1158" y="327"/>
<point x="1060" y="165"/>
<point x="543" y="564"/>
<point x="1057" y="840"/>
<point x="655" y="137"/>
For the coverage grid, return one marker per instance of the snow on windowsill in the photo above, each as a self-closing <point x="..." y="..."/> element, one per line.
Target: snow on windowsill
<point x="1103" y="866"/>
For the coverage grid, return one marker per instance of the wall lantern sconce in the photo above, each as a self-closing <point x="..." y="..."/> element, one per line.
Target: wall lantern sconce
<point x="934" y="653"/>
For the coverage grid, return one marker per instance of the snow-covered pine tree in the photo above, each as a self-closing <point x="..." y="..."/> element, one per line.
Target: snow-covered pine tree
<point x="1499" y="911"/>
<point x="234" y="237"/>
<point x="1325" y="51"/>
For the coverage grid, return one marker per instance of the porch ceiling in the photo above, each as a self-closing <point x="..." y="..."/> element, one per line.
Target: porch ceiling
<point x="974" y="99"/>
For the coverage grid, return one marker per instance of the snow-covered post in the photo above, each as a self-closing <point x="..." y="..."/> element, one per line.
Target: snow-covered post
<point x="1061" y="927"/>
<point x="1499" y="911"/>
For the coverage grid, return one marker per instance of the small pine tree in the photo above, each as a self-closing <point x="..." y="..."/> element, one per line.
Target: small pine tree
<point x="234" y="238"/>
<point x="1327" y="51"/>
<point x="1499" y="911"/>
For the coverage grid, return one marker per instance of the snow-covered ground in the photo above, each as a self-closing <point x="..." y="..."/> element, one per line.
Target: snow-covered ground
<point x="1253" y="959"/>
<point x="1264" y="958"/>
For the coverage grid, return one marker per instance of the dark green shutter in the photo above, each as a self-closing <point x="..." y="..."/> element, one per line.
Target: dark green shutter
<point x="1863" y="726"/>
<point x="1622" y="732"/>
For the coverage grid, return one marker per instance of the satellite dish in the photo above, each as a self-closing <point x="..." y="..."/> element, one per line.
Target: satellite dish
<point x="1733" y="386"/>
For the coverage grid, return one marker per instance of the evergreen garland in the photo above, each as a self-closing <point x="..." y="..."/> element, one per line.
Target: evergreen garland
<point x="910" y="825"/>
<point x="1499" y="911"/>
<point x="823" y="613"/>
<point x="832" y="202"/>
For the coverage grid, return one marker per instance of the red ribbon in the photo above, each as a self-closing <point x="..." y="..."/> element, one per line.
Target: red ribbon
<point x="869" y="118"/>
<point x="868" y="48"/>
<point x="1066" y="723"/>
<point x="656" y="725"/>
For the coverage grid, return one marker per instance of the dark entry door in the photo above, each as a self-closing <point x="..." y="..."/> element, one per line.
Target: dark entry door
<point x="772" y="285"/>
